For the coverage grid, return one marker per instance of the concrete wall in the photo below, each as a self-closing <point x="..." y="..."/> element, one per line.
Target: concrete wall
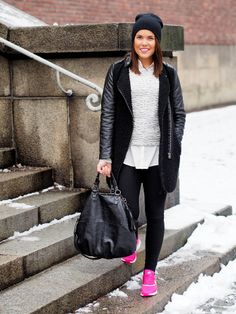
<point x="207" y="75"/>
<point x="51" y="129"/>
<point x="5" y="104"/>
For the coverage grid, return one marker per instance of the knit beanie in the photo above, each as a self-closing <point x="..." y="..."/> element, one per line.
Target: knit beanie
<point x="148" y="21"/>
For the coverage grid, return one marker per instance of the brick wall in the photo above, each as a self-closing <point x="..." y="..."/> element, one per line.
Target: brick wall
<point x="205" y="21"/>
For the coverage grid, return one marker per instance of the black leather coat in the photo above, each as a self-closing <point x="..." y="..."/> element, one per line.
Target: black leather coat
<point x="117" y="120"/>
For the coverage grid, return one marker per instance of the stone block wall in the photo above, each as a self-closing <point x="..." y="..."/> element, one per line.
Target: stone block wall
<point x="5" y="104"/>
<point x="208" y="75"/>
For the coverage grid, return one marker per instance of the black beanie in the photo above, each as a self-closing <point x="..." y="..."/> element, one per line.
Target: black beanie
<point x="148" y="21"/>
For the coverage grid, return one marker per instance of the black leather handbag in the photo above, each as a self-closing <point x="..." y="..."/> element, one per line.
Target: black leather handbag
<point x="105" y="228"/>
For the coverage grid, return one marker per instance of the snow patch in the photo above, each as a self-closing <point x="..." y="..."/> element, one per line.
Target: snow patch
<point x="17" y="198"/>
<point x="41" y="227"/>
<point x="12" y="16"/>
<point x="59" y="186"/>
<point x="12" y="200"/>
<point x="135" y="282"/>
<point x="132" y="285"/>
<point x="117" y="293"/>
<point x="216" y="234"/>
<point x="47" y="189"/>
<point x="30" y="239"/>
<point x="21" y="206"/>
<point x="207" y="287"/>
<point x="183" y="215"/>
<point x="208" y="164"/>
<point x="5" y="170"/>
<point x="88" y="308"/>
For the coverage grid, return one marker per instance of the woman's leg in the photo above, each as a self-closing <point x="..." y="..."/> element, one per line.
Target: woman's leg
<point x="155" y="198"/>
<point x="129" y="183"/>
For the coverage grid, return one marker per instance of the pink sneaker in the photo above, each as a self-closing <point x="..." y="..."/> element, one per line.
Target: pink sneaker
<point x="133" y="257"/>
<point x="149" y="285"/>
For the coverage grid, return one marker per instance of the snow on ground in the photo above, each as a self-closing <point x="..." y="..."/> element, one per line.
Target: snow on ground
<point x="117" y="293"/>
<point x="183" y="215"/>
<point x="216" y="234"/>
<point x="208" y="164"/>
<point x="200" y="296"/>
<point x="207" y="173"/>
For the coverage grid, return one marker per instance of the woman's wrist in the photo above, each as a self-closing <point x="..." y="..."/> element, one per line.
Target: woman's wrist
<point x="107" y="160"/>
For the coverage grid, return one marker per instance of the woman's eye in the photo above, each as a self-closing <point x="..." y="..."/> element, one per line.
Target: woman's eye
<point x="148" y="38"/>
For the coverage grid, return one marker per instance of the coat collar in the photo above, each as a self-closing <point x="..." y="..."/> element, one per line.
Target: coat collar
<point x="123" y="85"/>
<point x="127" y="61"/>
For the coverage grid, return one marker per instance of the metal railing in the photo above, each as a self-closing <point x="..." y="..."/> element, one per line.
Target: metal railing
<point x="93" y="101"/>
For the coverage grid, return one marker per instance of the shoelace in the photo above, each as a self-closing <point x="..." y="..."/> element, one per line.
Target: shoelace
<point x="149" y="278"/>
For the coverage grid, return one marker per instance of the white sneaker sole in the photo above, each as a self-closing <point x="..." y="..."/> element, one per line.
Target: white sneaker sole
<point x="129" y="263"/>
<point x="149" y="295"/>
<point x="137" y="248"/>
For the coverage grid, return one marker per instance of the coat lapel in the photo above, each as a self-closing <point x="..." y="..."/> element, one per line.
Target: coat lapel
<point x="123" y="85"/>
<point x="164" y="90"/>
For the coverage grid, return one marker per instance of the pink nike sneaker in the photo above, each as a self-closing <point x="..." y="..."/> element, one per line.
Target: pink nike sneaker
<point x="133" y="257"/>
<point x="149" y="285"/>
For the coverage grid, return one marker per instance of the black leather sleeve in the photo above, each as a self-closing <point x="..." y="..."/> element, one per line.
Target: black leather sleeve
<point x="107" y="116"/>
<point x="178" y="106"/>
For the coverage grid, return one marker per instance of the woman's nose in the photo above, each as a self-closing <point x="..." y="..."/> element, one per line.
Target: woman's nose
<point x="144" y="42"/>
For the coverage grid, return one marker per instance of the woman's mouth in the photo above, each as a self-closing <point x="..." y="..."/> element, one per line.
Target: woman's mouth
<point x="144" y="50"/>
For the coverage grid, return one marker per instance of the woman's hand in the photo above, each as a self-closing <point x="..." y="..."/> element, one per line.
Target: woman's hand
<point x="104" y="167"/>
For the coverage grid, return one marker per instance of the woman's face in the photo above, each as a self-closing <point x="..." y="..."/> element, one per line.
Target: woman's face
<point x="144" y="44"/>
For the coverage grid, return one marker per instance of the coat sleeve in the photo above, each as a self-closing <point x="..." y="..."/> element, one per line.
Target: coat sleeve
<point x="107" y="116"/>
<point x="178" y="106"/>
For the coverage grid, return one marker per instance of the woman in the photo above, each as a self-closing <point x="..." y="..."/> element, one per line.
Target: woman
<point x="142" y="123"/>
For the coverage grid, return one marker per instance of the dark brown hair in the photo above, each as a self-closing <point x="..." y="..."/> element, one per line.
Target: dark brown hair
<point x="157" y="59"/>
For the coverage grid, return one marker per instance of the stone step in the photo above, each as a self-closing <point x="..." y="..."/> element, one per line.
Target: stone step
<point x="39" y="208"/>
<point x="31" y="253"/>
<point x="78" y="281"/>
<point x="7" y="157"/>
<point x="20" y="181"/>
<point x="171" y="279"/>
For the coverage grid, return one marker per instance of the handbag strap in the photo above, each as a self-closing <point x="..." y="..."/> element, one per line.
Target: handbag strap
<point x="112" y="181"/>
<point x="90" y="257"/>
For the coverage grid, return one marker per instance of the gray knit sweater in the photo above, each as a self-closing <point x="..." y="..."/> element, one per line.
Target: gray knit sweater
<point x="144" y="94"/>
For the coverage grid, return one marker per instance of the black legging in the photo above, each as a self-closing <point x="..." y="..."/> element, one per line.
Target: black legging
<point x="130" y="183"/>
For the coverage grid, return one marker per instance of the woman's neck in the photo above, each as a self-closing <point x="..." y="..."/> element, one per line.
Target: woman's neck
<point x="146" y="62"/>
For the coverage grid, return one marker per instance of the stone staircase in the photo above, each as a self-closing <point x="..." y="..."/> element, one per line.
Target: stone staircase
<point x="7" y="157"/>
<point x="40" y="271"/>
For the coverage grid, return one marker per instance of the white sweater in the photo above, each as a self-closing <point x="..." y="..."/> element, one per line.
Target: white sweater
<point x="143" y="151"/>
